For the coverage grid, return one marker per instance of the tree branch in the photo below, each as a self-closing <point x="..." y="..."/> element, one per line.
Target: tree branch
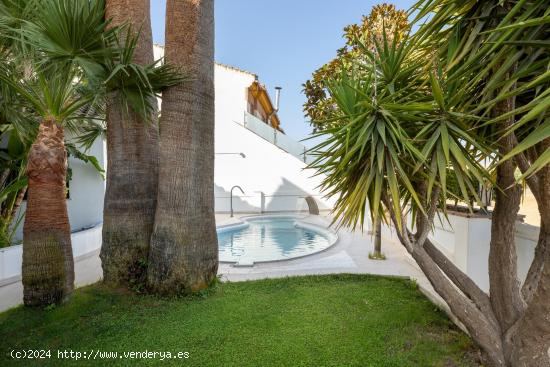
<point x="425" y="220"/>
<point x="402" y="232"/>
<point x="523" y="165"/>
<point x="480" y="327"/>
<point x="462" y="281"/>
<point x="543" y="244"/>
<point x="505" y="294"/>
<point x="535" y="270"/>
<point x="533" y="328"/>
<point x="532" y="154"/>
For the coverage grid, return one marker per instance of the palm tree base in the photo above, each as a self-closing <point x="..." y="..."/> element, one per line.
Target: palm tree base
<point x="125" y="247"/>
<point x="48" y="272"/>
<point x="179" y="266"/>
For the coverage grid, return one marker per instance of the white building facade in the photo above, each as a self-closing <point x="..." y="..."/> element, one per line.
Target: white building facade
<point x="252" y="152"/>
<point x="268" y="165"/>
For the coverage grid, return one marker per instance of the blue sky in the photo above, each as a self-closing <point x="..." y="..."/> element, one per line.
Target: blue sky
<point x="282" y="41"/>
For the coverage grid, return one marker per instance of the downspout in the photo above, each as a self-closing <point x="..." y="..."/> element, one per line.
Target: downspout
<point x="277" y="100"/>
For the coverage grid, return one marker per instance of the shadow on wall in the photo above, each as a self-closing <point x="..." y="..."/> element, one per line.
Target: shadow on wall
<point x="241" y="203"/>
<point x="288" y="197"/>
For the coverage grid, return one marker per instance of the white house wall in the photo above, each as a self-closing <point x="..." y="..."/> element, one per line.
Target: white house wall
<point x="273" y="180"/>
<point x="465" y="240"/>
<point x="267" y="174"/>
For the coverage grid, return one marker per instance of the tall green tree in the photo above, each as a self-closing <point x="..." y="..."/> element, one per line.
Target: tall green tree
<point x="320" y="107"/>
<point x="132" y="158"/>
<point x="384" y="20"/>
<point x="48" y="270"/>
<point x="71" y="61"/>
<point x="184" y="245"/>
<point x="509" y="58"/>
<point x="471" y="84"/>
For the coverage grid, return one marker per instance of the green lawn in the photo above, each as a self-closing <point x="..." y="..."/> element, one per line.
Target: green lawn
<point x="344" y="320"/>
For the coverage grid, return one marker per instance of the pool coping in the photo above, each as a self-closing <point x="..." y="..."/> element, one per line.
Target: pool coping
<point x="331" y="234"/>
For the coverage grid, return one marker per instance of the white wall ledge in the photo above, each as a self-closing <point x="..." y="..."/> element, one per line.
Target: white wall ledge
<point x="85" y="243"/>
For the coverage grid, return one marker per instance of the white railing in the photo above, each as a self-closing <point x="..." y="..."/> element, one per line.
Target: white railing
<point x="276" y="137"/>
<point x="260" y="202"/>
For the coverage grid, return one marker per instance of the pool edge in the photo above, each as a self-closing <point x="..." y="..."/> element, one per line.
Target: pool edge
<point x="331" y="234"/>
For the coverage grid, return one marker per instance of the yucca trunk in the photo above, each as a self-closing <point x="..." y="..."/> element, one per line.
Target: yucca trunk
<point x="377" y="238"/>
<point x="132" y="164"/>
<point x="48" y="269"/>
<point x="530" y="336"/>
<point x="505" y="292"/>
<point x="184" y="247"/>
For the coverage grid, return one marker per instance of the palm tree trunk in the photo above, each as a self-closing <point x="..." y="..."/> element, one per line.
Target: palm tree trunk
<point x="132" y="164"/>
<point x="48" y="269"/>
<point x="184" y="246"/>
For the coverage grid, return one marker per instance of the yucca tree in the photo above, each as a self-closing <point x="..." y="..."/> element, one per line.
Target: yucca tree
<point x="132" y="154"/>
<point x="501" y="49"/>
<point x="384" y="20"/>
<point x="71" y="60"/>
<point x="470" y="85"/>
<point x="319" y="107"/>
<point x="184" y="245"/>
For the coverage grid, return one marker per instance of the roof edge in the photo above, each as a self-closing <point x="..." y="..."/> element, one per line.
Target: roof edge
<point x="222" y="65"/>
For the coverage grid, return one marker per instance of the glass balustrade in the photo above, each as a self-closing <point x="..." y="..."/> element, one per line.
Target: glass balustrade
<point x="276" y="137"/>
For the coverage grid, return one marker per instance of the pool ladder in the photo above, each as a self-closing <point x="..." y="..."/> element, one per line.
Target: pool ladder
<point x="231" y="202"/>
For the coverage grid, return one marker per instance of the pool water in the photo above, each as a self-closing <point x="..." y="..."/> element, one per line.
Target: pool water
<point x="269" y="239"/>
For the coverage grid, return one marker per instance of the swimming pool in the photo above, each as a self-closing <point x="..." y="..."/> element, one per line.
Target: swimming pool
<point x="271" y="238"/>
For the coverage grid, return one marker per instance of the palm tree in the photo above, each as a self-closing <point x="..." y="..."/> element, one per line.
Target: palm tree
<point x="132" y="153"/>
<point x="184" y="248"/>
<point x="51" y="92"/>
<point x="71" y="61"/>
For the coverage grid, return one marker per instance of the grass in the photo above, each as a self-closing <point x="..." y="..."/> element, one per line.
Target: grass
<point x="374" y="256"/>
<point x="337" y="320"/>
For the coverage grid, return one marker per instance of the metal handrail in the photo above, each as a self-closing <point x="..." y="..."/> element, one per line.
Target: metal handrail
<point x="231" y="197"/>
